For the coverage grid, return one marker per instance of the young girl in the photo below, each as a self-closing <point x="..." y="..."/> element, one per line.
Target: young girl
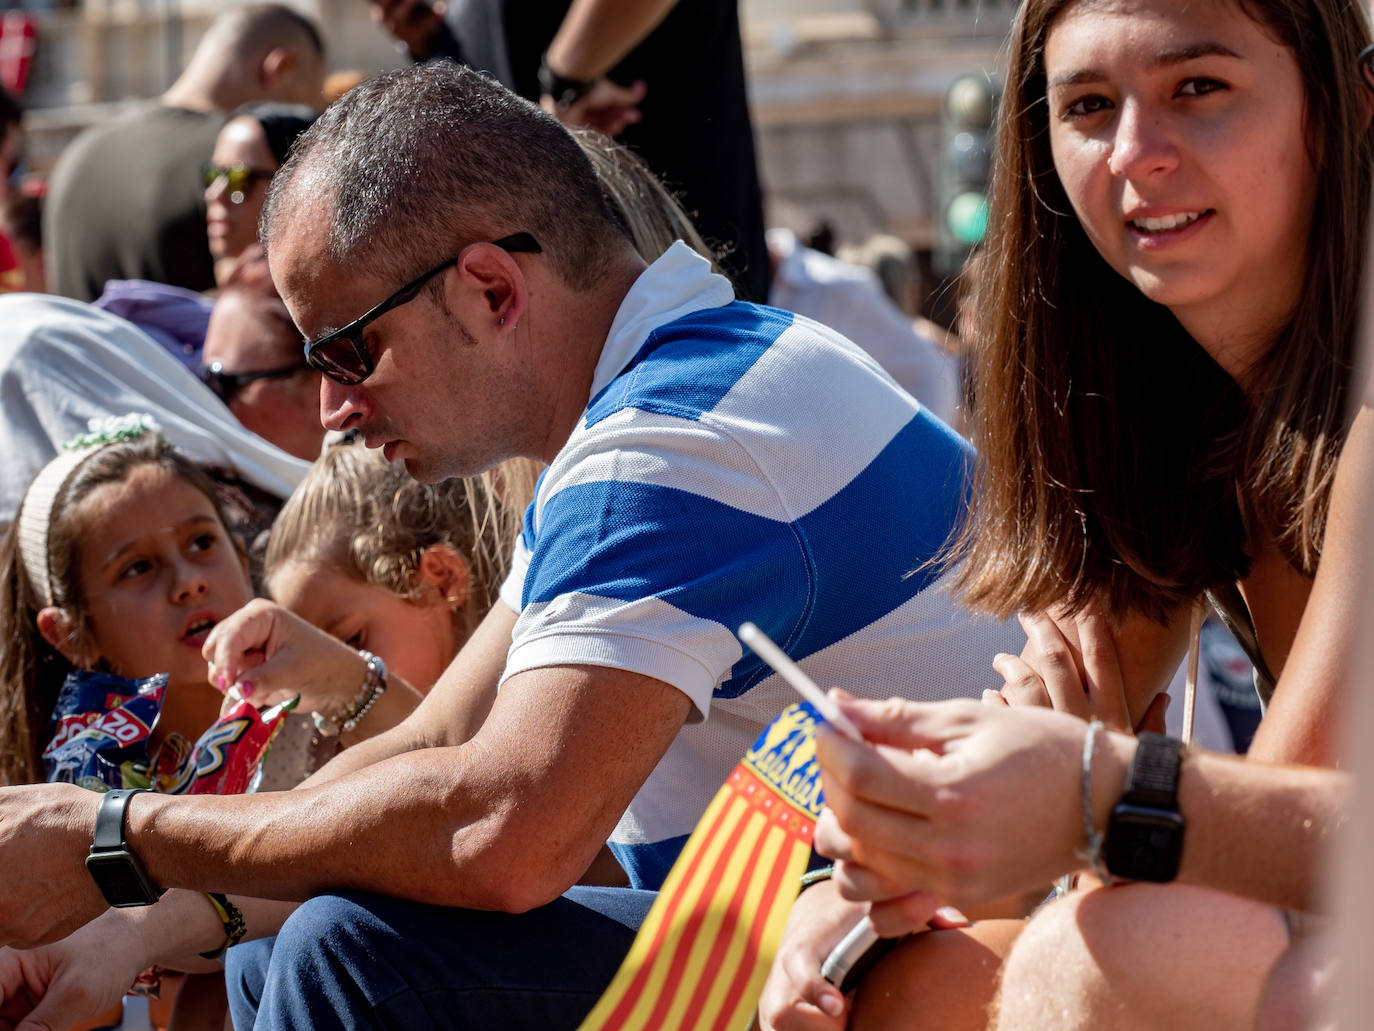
<point x="119" y="560"/>
<point x="363" y="557"/>
<point x="1167" y="322"/>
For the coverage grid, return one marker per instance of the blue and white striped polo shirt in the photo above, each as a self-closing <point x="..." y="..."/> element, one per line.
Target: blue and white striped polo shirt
<point x="737" y="463"/>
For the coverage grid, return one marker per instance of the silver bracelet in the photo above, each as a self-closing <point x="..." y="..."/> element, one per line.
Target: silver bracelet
<point x="374" y="686"/>
<point x="1093" y="855"/>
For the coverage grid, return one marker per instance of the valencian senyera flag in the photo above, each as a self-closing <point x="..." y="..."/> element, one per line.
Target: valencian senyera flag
<point x="701" y="957"/>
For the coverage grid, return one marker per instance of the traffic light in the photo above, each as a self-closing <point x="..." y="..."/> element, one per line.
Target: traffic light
<point x="966" y="118"/>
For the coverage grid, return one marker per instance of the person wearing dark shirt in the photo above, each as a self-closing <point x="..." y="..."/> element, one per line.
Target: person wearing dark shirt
<point x="126" y="198"/>
<point x="681" y="102"/>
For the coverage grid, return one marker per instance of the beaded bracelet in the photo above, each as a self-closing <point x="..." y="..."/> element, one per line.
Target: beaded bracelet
<point x="822" y="873"/>
<point x="235" y="927"/>
<point x="374" y="685"/>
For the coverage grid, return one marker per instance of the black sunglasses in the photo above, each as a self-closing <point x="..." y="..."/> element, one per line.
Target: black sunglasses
<point x="227" y="384"/>
<point x="342" y="355"/>
<point x="239" y="179"/>
<point x="1366" y="65"/>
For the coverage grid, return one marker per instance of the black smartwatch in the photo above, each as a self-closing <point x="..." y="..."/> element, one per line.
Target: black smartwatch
<point x="565" y="92"/>
<point x="1145" y="834"/>
<point x="116" y="871"/>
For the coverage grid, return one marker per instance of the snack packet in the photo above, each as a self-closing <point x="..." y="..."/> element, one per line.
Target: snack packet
<point x="227" y="756"/>
<point x="101" y="725"/>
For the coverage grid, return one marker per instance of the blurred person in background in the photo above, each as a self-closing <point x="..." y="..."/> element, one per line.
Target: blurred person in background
<point x="11" y="146"/>
<point x="849" y="298"/>
<point x="251" y="146"/>
<point x="253" y="362"/>
<point x="125" y="199"/>
<point x="665" y="78"/>
<point x="21" y="224"/>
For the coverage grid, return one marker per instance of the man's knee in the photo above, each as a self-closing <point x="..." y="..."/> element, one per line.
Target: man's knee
<point x="245" y="977"/>
<point x="1141" y="956"/>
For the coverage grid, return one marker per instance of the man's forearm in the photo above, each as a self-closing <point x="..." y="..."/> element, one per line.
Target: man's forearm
<point x="391" y="827"/>
<point x="450" y="714"/>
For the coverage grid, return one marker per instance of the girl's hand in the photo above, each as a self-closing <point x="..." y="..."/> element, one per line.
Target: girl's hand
<point x="795" y="996"/>
<point x="1070" y="665"/>
<point x="272" y="654"/>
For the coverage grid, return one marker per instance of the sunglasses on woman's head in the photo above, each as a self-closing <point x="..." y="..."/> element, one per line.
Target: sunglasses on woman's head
<point x="343" y="356"/>
<point x="227" y="384"/>
<point x="240" y="179"/>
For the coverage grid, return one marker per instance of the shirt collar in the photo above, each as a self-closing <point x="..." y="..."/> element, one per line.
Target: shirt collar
<point x="678" y="283"/>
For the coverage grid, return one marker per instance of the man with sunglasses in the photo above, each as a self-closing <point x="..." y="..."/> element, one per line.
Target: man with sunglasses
<point x="446" y="251"/>
<point x="252" y="361"/>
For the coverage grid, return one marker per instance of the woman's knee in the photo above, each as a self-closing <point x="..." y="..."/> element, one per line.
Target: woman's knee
<point x="1141" y="955"/>
<point x="943" y="979"/>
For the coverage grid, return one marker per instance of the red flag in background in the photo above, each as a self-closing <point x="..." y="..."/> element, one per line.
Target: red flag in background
<point x="700" y="960"/>
<point x="18" y="41"/>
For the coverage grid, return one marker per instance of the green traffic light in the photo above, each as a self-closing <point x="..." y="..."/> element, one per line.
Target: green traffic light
<point x="966" y="217"/>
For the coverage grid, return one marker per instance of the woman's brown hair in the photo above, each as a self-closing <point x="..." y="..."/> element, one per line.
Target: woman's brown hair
<point x="1117" y="460"/>
<point x="31" y="669"/>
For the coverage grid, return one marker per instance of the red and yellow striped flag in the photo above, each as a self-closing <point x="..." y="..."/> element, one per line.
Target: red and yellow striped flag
<point x="700" y="960"/>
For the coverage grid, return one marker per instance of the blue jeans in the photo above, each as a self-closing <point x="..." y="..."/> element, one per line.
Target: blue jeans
<point x="366" y="961"/>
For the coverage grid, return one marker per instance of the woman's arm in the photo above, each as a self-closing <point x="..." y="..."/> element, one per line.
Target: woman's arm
<point x="1301" y="723"/>
<point x="932" y="801"/>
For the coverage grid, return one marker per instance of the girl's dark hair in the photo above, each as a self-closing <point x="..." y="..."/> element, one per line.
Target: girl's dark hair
<point x="1117" y="460"/>
<point x="32" y="670"/>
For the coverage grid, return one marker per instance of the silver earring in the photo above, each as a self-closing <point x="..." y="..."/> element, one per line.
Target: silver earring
<point x="501" y="321"/>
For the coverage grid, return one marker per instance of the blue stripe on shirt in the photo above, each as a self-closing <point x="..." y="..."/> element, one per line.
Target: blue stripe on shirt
<point x="808" y="584"/>
<point x="697" y="359"/>
<point x="647" y="863"/>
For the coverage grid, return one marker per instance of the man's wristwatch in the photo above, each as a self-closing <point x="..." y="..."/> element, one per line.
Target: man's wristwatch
<point x="116" y="871"/>
<point x="565" y="92"/>
<point x="1145" y="834"/>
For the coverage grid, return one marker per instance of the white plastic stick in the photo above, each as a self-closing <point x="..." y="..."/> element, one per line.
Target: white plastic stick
<point x="793" y="674"/>
<point x="860" y="939"/>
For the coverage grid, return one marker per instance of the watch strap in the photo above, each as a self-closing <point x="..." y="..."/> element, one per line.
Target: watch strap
<point x="1153" y="777"/>
<point x="564" y="91"/>
<point x="109" y="819"/>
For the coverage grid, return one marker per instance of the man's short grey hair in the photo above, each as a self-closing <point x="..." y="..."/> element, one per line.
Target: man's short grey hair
<point x="416" y="164"/>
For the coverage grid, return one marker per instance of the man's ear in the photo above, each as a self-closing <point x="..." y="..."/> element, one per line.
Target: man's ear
<point x="60" y="631"/>
<point x="277" y="66"/>
<point x="495" y="276"/>
<point x="442" y="568"/>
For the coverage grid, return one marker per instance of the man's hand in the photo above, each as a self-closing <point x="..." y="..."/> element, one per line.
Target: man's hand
<point x="46" y="892"/>
<point x="608" y="107"/>
<point x="83" y="975"/>
<point x="411" y="21"/>
<point x="967" y="802"/>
